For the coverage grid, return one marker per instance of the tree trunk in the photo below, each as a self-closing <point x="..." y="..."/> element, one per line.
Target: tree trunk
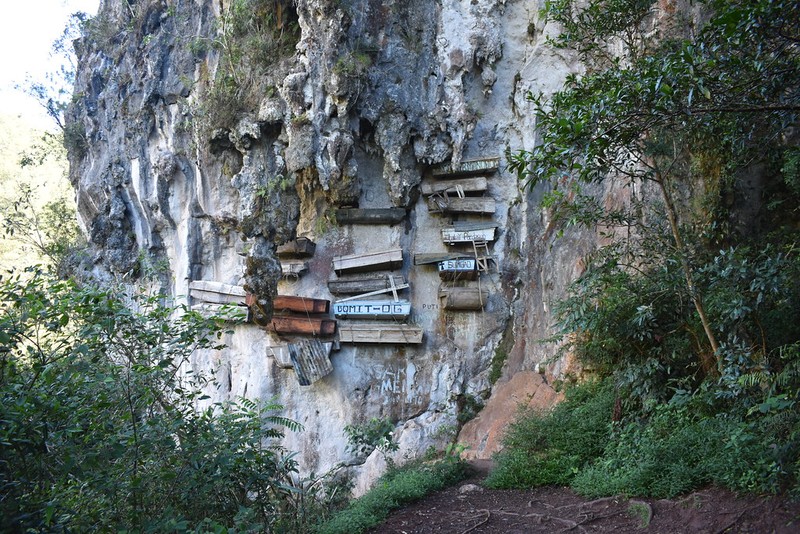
<point x="697" y="300"/>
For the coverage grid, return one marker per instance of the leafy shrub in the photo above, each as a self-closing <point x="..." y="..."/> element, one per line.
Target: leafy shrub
<point x="675" y="452"/>
<point x="100" y="428"/>
<point x="550" y="448"/>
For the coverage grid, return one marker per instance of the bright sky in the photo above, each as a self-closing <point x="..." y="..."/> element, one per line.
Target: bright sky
<point x="28" y="29"/>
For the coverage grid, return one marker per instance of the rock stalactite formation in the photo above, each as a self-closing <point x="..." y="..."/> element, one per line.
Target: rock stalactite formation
<point x="206" y="133"/>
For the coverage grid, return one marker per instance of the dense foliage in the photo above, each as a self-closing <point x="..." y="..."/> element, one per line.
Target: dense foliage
<point x="689" y="312"/>
<point x="101" y="426"/>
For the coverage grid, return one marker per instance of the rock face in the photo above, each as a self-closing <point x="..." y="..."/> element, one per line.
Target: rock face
<point x="201" y="139"/>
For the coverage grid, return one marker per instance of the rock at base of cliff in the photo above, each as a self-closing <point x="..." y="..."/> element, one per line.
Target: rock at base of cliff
<point x="483" y="435"/>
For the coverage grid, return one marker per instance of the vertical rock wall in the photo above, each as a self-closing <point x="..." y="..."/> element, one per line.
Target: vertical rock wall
<point x="371" y="96"/>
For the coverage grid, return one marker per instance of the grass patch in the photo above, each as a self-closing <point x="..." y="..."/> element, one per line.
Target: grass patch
<point x="397" y="488"/>
<point x="551" y="447"/>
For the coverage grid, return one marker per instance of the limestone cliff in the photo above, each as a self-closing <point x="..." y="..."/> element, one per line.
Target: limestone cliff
<point x="205" y="133"/>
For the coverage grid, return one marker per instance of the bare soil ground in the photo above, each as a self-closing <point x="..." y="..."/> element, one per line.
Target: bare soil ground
<point x="471" y="508"/>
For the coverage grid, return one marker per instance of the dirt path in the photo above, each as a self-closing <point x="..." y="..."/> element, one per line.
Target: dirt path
<point x="471" y="508"/>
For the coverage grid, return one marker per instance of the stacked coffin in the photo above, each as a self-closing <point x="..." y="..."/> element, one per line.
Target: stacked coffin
<point x="216" y="299"/>
<point x="304" y="320"/>
<point x="301" y="316"/>
<point x="293" y="255"/>
<point x="460" y="190"/>
<point x="369" y="301"/>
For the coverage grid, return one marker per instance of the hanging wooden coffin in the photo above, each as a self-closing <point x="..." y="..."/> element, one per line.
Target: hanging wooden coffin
<point x="458" y="269"/>
<point x="463" y="298"/>
<point x="310" y="360"/>
<point x="364" y="284"/>
<point x="216" y="292"/>
<point x="454" y="187"/>
<point x="371" y="261"/>
<point x="301" y="247"/>
<point x="297" y="304"/>
<point x="482" y="205"/>
<point x="372" y="309"/>
<point x="452" y="234"/>
<point x="370" y="215"/>
<point x="293" y="268"/>
<point x="426" y="258"/>
<point x="471" y="166"/>
<point x="397" y="334"/>
<point x="307" y="326"/>
<point x="282" y="357"/>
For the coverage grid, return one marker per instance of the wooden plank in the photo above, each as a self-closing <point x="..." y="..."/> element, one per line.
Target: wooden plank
<point x="293" y="268"/>
<point x="372" y="309"/>
<point x="364" y="283"/>
<point x="380" y="333"/>
<point x="310" y="360"/>
<point x="469" y="166"/>
<point x="458" y="269"/>
<point x="484" y="205"/>
<point x="302" y="247"/>
<point x="389" y="216"/>
<point x="467" y="185"/>
<point x="371" y="261"/>
<point x="435" y="257"/>
<point x="307" y="326"/>
<point x="298" y="304"/>
<point x="463" y="298"/>
<point x="451" y="235"/>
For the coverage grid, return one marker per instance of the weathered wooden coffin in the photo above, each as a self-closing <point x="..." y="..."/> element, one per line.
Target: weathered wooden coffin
<point x="466" y="185"/>
<point x="364" y="284"/>
<point x="372" y="309"/>
<point x="306" y="326"/>
<point x="370" y="215"/>
<point x="371" y="261"/>
<point x="483" y="205"/>
<point x="471" y="166"/>
<point x="282" y="357"/>
<point x="380" y="333"/>
<point x="216" y="292"/>
<point x="297" y="304"/>
<point x="310" y="359"/>
<point x="454" y="235"/>
<point x="227" y="312"/>
<point x="302" y="247"/>
<point x="293" y="268"/>
<point x="463" y="298"/>
<point x="458" y="269"/>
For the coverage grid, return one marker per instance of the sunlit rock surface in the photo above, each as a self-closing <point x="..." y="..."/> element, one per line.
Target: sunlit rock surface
<point x="356" y="111"/>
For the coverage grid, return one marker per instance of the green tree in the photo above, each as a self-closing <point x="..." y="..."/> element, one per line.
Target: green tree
<point x="103" y="427"/>
<point x="695" y="96"/>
